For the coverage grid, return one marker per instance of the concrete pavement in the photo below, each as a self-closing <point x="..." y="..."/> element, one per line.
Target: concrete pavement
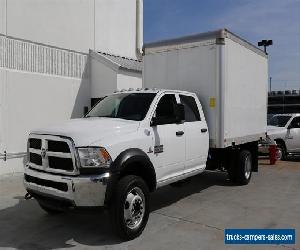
<point x="190" y="217"/>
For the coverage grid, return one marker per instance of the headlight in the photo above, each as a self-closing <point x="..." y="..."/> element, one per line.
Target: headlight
<point x="94" y="157"/>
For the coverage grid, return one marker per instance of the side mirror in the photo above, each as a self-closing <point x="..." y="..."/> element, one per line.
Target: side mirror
<point x="180" y="113"/>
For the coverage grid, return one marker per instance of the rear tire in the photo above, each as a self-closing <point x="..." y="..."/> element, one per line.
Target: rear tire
<point x="129" y="208"/>
<point x="241" y="171"/>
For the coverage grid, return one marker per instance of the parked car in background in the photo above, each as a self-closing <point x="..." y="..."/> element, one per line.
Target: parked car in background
<point x="284" y="129"/>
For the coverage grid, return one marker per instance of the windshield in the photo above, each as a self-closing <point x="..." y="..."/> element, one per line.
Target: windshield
<point x="279" y="121"/>
<point x="127" y="106"/>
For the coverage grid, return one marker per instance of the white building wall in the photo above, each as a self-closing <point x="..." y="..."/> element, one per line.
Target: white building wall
<point x="63" y="23"/>
<point x="80" y="25"/>
<point x="48" y="80"/>
<point x="127" y="80"/>
<point x="103" y="79"/>
<point x="120" y="16"/>
<point x="36" y="100"/>
<point x="2" y="109"/>
<point x="3" y="17"/>
<point x="39" y="85"/>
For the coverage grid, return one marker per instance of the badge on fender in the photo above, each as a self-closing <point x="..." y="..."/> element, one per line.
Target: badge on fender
<point x="159" y="149"/>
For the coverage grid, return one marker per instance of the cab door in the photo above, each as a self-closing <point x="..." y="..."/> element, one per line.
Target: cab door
<point x="293" y="136"/>
<point x="196" y="134"/>
<point x="168" y="140"/>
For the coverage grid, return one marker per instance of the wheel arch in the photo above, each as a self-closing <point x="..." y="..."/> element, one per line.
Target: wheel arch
<point x="131" y="162"/>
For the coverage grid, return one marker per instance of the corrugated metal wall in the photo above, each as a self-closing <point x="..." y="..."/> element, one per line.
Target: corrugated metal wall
<point x="28" y="56"/>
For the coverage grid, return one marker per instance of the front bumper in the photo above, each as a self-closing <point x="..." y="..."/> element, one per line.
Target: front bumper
<point x="80" y="191"/>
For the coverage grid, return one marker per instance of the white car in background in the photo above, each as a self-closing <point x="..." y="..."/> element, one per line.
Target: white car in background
<point x="284" y="129"/>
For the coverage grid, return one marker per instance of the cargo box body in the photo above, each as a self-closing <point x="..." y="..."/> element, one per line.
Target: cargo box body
<point x="229" y="75"/>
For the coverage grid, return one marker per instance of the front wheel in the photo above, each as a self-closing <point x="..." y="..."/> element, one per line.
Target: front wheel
<point x="129" y="208"/>
<point x="281" y="152"/>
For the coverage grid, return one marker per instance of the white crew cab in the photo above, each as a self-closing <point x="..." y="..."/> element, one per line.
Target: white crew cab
<point x="133" y="142"/>
<point x="130" y="143"/>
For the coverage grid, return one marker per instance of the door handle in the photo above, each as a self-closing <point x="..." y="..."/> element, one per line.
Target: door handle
<point x="179" y="133"/>
<point x="204" y="130"/>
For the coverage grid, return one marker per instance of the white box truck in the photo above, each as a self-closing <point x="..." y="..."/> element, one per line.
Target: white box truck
<point x="229" y="76"/>
<point x="133" y="142"/>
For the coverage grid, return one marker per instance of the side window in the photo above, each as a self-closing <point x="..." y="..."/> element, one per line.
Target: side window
<point x="191" y="109"/>
<point x="165" y="110"/>
<point x="296" y="123"/>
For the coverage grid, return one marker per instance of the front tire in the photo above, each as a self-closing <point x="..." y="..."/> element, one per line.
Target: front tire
<point x="281" y="152"/>
<point x="129" y="208"/>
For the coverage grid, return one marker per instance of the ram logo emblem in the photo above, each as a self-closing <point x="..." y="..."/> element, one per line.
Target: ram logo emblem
<point x="43" y="153"/>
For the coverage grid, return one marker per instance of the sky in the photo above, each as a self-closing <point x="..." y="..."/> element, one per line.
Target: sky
<point x="254" y="20"/>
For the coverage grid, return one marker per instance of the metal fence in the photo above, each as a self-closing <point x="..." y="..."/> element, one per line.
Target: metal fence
<point x="281" y="102"/>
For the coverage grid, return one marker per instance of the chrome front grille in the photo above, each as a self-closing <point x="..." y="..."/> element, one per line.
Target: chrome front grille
<point x="52" y="154"/>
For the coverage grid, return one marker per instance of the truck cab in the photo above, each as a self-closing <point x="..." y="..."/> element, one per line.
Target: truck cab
<point x="129" y="144"/>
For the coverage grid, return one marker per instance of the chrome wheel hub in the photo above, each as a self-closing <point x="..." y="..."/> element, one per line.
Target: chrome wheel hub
<point x="134" y="208"/>
<point x="248" y="167"/>
<point x="279" y="154"/>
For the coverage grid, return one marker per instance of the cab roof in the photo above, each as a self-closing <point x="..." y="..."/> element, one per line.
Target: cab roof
<point x="153" y="90"/>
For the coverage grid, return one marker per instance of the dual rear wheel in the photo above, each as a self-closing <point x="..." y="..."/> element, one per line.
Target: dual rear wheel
<point x="241" y="171"/>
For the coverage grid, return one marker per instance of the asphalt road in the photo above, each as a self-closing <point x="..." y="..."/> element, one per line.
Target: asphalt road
<point x="191" y="217"/>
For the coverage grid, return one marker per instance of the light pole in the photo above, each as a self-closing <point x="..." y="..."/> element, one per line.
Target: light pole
<point x="265" y="44"/>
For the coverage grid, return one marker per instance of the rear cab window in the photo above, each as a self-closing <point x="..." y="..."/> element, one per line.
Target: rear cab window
<point x="191" y="108"/>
